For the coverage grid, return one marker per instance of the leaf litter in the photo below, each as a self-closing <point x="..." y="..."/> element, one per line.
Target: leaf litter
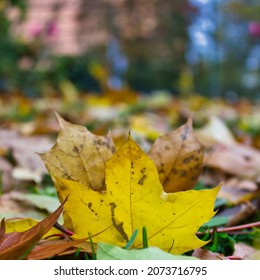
<point x="233" y="162"/>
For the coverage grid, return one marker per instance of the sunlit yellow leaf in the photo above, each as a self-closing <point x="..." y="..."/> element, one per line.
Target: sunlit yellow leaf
<point x="134" y="198"/>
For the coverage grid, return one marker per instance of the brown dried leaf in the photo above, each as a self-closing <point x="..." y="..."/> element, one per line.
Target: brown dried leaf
<point x="237" y="191"/>
<point x="24" y="149"/>
<point x="15" y="244"/>
<point x="51" y="248"/>
<point x="79" y="155"/>
<point x="246" y="210"/>
<point x="178" y="157"/>
<point x="243" y="251"/>
<point x="205" y="254"/>
<point x="237" y="159"/>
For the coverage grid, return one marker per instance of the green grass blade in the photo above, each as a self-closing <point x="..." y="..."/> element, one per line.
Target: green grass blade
<point x="145" y="239"/>
<point x="94" y="256"/>
<point x="131" y="240"/>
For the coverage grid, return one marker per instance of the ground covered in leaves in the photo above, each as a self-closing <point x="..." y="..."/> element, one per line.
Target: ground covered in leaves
<point x="138" y="176"/>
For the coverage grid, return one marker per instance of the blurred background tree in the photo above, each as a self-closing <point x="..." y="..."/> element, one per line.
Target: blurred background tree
<point x="184" y="46"/>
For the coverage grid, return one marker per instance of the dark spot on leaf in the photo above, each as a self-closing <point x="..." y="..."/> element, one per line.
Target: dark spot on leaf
<point x="247" y="158"/>
<point x="141" y="181"/>
<point x="187" y="160"/>
<point x="143" y="170"/>
<point x="167" y="148"/>
<point x="119" y="227"/>
<point x="174" y="171"/>
<point x="183" y="172"/>
<point x="161" y="170"/>
<point x="90" y="207"/>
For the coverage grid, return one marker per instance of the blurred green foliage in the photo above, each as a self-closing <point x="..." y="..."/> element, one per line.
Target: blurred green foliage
<point x="157" y="58"/>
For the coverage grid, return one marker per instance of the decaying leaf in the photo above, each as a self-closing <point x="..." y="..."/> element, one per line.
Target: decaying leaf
<point x="215" y="131"/>
<point x="23" y="150"/>
<point x="178" y="157"/>
<point x="205" y="254"/>
<point x="15" y="245"/>
<point x="243" y="251"/>
<point x="51" y="248"/>
<point x="79" y="155"/>
<point x="134" y="198"/>
<point x="237" y="159"/>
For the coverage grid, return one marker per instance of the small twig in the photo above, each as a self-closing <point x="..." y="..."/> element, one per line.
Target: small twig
<point x="232" y="229"/>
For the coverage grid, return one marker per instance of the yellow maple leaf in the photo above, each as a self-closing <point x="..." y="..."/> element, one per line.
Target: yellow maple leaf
<point x="134" y="199"/>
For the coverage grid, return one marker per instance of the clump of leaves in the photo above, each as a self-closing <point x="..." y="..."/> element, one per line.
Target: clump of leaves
<point x="113" y="194"/>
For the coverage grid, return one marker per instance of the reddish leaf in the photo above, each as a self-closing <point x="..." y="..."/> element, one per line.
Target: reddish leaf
<point x="51" y="248"/>
<point x="15" y="244"/>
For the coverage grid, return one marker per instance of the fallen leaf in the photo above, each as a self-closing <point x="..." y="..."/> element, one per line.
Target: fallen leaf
<point x="44" y="202"/>
<point x="51" y="248"/>
<point x="20" y="225"/>
<point x="246" y="210"/>
<point x="6" y="171"/>
<point x="237" y="159"/>
<point x="134" y="198"/>
<point x="24" y="174"/>
<point x="205" y="254"/>
<point x="254" y="256"/>
<point x="15" y="244"/>
<point x="24" y="149"/>
<point x="178" y="157"/>
<point x="11" y="209"/>
<point x="151" y="126"/>
<point x="243" y="251"/>
<point x="79" y="155"/>
<point x="215" y="131"/>
<point x="112" y="252"/>
<point x="236" y="191"/>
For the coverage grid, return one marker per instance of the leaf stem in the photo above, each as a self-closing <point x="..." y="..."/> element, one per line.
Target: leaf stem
<point x="63" y="229"/>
